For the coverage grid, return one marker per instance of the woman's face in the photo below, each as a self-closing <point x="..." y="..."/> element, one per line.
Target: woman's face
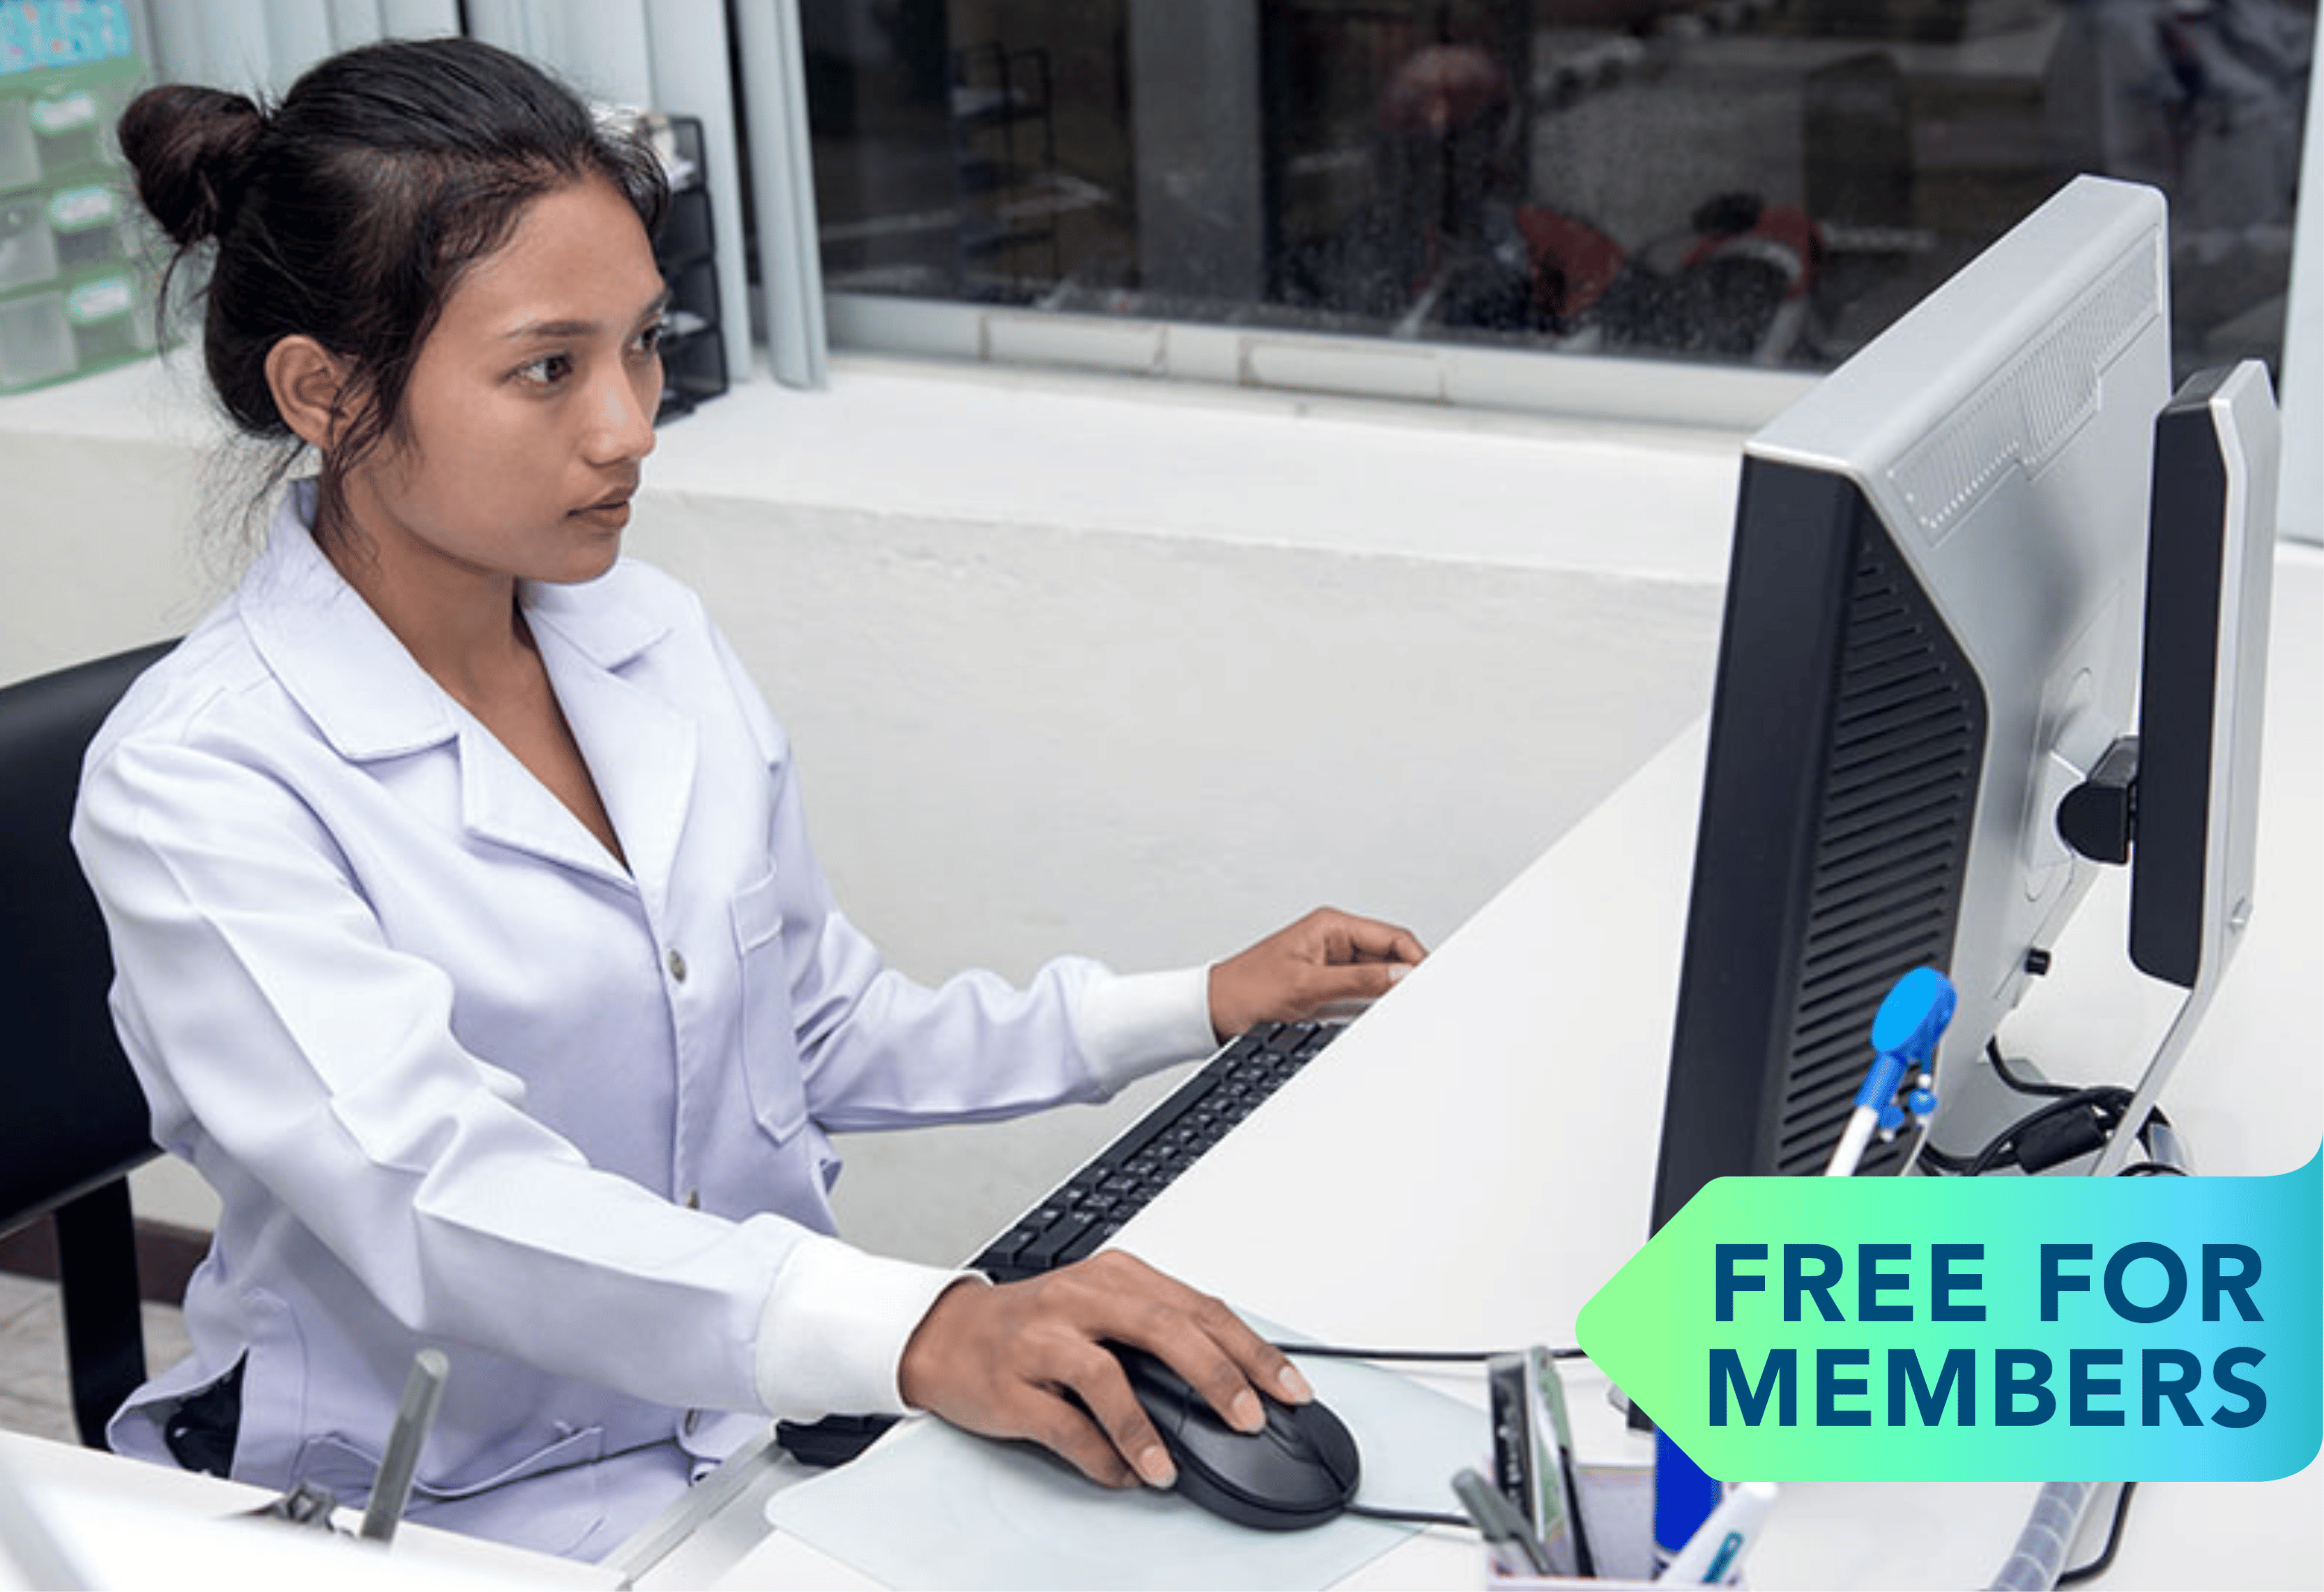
<point x="530" y="406"/>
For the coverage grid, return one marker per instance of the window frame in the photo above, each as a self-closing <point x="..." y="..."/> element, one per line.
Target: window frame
<point x="1458" y="375"/>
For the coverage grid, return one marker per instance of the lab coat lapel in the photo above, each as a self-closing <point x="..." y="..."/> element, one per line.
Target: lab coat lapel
<point x="502" y="803"/>
<point x="372" y="701"/>
<point x="640" y="750"/>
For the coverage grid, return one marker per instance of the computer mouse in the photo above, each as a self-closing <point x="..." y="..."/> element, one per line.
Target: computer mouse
<point x="1299" y="1471"/>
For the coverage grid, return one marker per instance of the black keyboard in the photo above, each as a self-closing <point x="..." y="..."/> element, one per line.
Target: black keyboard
<point x="1079" y="1215"/>
<point x="1090" y="1206"/>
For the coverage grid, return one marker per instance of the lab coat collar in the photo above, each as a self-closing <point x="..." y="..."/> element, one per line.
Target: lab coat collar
<point x="371" y="700"/>
<point x="608" y="632"/>
<point x="336" y="658"/>
<point x="347" y="669"/>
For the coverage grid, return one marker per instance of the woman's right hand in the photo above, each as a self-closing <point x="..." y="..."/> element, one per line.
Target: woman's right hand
<point x="1029" y="1360"/>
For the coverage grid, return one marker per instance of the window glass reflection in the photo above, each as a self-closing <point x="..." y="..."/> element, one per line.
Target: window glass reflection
<point x="1758" y="181"/>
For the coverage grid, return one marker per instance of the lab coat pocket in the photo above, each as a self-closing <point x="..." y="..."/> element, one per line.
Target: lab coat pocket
<point x="554" y="1516"/>
<point x="770" y="1061"/>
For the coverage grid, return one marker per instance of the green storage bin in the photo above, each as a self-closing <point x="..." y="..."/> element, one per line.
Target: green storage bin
<point x="76" y="292"/>
<point x="89" y="320"/>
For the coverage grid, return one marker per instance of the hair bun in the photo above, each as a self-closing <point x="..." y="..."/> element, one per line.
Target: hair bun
<point x="188" y="146"/>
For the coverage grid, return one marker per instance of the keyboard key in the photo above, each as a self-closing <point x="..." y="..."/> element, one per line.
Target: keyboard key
<point x="1014" y="1243"/>
<point x="1049" y="1249"/>
<point x="1090" y="1241"/>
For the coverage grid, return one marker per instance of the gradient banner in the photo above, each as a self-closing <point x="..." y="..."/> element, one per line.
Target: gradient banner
<point x="2043" y="1329"/>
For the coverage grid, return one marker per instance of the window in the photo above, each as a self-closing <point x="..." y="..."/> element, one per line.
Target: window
<point x="1695" y="188"/>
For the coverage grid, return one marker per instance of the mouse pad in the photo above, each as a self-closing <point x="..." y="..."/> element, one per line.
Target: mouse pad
<point x="934" y="1507"/>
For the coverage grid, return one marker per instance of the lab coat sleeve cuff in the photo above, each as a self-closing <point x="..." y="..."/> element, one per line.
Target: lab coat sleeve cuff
<point x="1131" y="1024"/>
<point x="832" y="1334"/>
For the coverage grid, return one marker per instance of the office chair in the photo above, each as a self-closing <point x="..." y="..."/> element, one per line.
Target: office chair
<point x="75" y="1122"/>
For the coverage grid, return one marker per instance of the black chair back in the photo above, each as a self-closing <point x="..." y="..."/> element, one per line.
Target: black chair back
<point x="74" y="1122"/>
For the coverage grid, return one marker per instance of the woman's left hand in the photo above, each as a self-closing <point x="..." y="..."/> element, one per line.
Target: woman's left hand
<point x="1326" y="958"/>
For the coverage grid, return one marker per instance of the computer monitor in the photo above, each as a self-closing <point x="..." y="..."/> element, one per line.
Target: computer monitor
<point x="1932" y="633"/>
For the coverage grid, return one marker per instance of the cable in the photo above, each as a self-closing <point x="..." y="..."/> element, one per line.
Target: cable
<point x="2105" y="1103"/>
<point x="2098" y="1566"/>
<point x="1335" y="1351"/>
<point x="1940" y="1161"/>
<point x="2074" y="1122"/>
<point x="2065" y="1139"/>
<point x="2001" y="1069"/>
<point x="2000" y="1065"/>
<point x="1332" y="1351"/>
<point x="1412" y="1516"/>
<point x="2046" y="1539"/>
<point x="1934" y="1159"/>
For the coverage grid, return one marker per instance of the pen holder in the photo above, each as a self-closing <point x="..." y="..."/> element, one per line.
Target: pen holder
<point x="1618" y="1509"/>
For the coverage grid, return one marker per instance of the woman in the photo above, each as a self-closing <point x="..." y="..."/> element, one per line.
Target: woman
<point x="466" y="934"/>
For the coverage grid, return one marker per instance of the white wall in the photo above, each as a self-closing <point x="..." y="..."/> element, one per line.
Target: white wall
<point x="1073" y="664"/>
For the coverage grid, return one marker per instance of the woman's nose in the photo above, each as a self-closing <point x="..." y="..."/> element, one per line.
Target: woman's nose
<point x="622" y="415"/>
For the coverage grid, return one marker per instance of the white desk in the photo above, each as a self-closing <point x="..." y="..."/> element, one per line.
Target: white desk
<point x="1474" y="1159"/>
<point x="125" y="1522"/>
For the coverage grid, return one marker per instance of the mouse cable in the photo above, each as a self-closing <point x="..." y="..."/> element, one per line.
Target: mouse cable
<point x="1411" y="1516"/>
<point x="1332" y="1351"/>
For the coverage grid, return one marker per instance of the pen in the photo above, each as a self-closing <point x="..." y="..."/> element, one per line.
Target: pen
<point x="423" y="1391"/>
<point x="1714" y="1555"/>
<point x="1498" y="1519"/>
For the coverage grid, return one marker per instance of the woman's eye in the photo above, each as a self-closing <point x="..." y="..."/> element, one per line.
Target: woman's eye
<point x="649" y="338"/>
<point x="547" y="371"/>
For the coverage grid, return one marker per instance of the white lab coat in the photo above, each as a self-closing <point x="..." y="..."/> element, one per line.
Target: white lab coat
<point x="461" y="1080"/>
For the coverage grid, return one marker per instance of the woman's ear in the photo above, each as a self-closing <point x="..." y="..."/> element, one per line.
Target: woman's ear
<point x="309" y="383"/>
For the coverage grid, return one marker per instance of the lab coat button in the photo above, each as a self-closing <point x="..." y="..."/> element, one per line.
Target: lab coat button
<point x="677" y="965"/>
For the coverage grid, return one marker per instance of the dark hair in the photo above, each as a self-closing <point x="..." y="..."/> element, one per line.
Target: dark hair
<point x="349" y="212"/>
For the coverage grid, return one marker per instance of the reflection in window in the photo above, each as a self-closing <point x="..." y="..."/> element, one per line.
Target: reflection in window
<point x="1757" y="181"/>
